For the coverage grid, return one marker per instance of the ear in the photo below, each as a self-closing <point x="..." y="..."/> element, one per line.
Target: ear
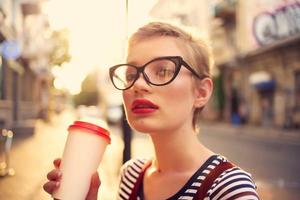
<point x="203" y="91"/>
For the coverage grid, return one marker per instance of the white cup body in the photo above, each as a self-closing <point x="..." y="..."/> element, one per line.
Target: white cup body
<point x="82" y="155"/>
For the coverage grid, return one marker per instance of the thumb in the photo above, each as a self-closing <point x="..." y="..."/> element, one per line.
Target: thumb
<point x="94" y="187"/>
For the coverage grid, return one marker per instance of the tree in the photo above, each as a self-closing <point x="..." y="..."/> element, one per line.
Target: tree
<point x="60" y="51"/>
<point x="89" y="92"/>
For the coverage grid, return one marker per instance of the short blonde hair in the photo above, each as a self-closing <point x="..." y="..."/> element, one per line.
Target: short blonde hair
<point x="198" y="52"/>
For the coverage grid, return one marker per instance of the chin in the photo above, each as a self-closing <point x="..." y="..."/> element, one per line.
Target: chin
<point x="143" y="127"/>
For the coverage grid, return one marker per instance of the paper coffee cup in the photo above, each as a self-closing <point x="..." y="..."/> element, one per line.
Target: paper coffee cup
<point x="83" y="152"/>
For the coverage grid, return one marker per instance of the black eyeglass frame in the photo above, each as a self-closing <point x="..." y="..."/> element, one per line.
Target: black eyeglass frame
<point x="177" y="60"/>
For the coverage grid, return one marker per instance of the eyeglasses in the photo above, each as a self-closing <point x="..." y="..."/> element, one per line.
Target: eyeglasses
<point x="159" y="71"/>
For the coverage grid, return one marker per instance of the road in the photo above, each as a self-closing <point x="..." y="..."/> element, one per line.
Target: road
<point x="273" y="164"/>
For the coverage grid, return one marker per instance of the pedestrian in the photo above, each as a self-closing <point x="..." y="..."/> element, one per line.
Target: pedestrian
<point x="165" y="83"/>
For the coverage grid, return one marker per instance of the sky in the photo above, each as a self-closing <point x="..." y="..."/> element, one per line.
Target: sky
<point x="98" y="30"/>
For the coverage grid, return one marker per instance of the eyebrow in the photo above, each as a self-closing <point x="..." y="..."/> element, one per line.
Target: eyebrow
<point x="132" y="63"/>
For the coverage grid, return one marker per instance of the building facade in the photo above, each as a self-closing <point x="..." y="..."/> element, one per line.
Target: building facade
<point x="24" y="68"/>
<point x="260" y="69"/>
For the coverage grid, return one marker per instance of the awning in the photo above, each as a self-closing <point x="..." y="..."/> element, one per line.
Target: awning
<point x="240" y="59"/>
<point x="262" y="80"/>
<point x="266" y="85"/>
<point x="30" y="9"/>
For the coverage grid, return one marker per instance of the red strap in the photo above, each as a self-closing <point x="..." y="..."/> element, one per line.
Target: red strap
<point x="210" y="178"/>
<point x="137" y="184"/>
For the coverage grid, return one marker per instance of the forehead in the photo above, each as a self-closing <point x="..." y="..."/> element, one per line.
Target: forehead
<point x="145" y="50"/>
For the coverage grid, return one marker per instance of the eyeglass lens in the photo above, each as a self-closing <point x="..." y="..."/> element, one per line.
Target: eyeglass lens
<point x="158" y="72"/>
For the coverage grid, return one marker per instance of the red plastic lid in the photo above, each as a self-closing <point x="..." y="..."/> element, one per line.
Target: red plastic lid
<point x="91" y="128"/>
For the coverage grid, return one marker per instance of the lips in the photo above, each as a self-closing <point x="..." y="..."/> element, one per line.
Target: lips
<point x="143" y="106"/>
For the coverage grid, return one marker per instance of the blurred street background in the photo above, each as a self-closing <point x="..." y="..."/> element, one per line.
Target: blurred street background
<point x="54" y="60"/>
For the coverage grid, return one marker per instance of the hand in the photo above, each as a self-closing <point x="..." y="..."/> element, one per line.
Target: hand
<point x="94" y="187"/>
<point x="54" y="177"/>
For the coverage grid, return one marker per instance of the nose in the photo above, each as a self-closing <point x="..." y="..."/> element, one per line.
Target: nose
<point x="141" y="84"/>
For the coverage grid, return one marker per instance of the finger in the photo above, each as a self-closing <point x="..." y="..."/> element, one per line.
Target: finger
<point x="57" y="162"/>
<point x="94" y="187"/>
<point x="54" y="175"/>
<point x="50" y="186"/>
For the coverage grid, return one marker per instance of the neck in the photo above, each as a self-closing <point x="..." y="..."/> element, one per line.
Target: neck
<point x="178" y="151"/>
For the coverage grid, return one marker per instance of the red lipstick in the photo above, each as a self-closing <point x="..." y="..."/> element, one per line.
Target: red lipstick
<point x="143" y="106"/>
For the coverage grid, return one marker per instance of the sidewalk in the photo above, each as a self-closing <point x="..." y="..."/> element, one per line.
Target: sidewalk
<point x="278" y="135"/>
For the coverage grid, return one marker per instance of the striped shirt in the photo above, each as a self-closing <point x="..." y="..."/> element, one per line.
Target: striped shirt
<point x="233" y="183"/>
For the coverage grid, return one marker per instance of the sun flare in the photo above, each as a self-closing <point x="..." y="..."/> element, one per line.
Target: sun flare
<point x="98" y="33"/>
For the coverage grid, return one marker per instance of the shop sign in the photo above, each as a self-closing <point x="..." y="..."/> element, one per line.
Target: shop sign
<point x="271" y="26"/>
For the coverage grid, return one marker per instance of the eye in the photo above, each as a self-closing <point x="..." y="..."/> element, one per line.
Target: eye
<point x="165" y="71"/>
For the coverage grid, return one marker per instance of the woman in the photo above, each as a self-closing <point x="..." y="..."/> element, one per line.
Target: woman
<point x="166" y="83"/>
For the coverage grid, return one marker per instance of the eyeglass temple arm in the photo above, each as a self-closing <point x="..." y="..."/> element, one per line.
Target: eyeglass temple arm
<point x="194" y="72"/>
<point x="202" y="76"/>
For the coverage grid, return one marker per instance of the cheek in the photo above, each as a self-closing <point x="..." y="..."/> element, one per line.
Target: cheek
<point x="179" y="98"/>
